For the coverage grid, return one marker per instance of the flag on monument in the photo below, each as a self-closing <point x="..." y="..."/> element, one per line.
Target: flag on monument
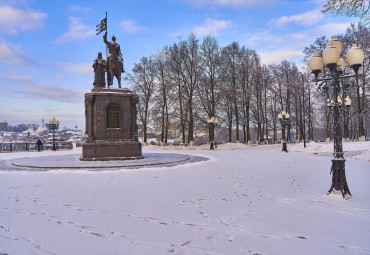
<point x="102" y="26"/>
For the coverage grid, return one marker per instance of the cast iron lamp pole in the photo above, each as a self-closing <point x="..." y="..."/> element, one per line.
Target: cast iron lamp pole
<point x="211" y="125"/>
<point x="54" y="125"/>
<point x="332" y="88"/>
<point x="304" y="118"/>
<point x="284" y="118"/>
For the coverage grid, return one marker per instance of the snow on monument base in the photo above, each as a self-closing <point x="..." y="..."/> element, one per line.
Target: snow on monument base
<point x="107" y="150"/>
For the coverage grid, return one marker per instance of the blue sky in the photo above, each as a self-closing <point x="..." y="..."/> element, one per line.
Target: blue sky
<point x="47" y="47"/>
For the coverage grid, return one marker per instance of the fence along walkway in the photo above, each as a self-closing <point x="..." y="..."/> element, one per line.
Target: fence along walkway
<point x="32" y="146"/>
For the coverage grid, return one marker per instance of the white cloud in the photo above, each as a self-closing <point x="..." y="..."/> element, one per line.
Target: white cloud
<point x="46" y="91"/>
<point x="295" y="41"/>
<point x="80" y="68"/>
<point x="13" y="54"/>
<point x="77" y="31"/>
<point x="129" y="26"/>
<point x="275" y="47"/>
<point x="275" y="57"/>
<point x="305" y="19"/>
<point x="319" y="2"/>
<point x="232" y="3"/>
<point x="330" y="29"/>
<point x="16" y="78"/>
<point x="13" y="19"/>
<point x="60" y="76"/>
<point x="76" y="8"/>
<point x="212" y="27"/>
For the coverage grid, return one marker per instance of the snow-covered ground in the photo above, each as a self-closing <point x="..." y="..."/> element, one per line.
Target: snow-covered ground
<point x="355" y="150"/>
<point x="243" y="200"/>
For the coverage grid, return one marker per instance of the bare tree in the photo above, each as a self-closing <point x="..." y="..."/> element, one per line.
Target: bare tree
<point x="175" y="72"/>
<point x="208" y="85"/>
<point x="257" y="96"/>
<point x="230" y="58"/>
<point x="273" y="107"/>
<point x="162" y="91"/>
<point x="142" y="81"/>
<point x="188" y="82"/>
<point x="226" y="103"/>
<point x="190" y="75"/>
<point x="360" y="35"/>
<point x="246" y="68"/>
<point x="285" y="75"/>
<point x="319" y="45"/>
<point x="349" y="8"/>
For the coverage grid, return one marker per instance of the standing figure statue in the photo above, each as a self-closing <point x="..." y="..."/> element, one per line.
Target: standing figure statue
<point x="100" y="66"/>
<point x="115" y="61"/>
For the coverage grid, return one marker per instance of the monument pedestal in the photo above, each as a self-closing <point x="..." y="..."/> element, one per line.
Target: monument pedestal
<point x="111" y="125"/>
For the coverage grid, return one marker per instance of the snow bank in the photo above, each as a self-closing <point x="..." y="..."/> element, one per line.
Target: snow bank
<point x="317" y="148"/>
<point x="224" y="146"/>
<point x="364" y="156"/>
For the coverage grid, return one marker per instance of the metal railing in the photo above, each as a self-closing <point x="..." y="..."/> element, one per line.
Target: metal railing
<point x="32" y="146"/>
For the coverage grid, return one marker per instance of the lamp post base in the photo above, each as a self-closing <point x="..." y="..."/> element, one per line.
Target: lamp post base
<point x="339" y="183"/>
<point x="284" y="147"/>
<point x="211" y="146"/>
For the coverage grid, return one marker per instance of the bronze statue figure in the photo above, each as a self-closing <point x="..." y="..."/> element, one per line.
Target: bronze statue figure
<point x="115" y="61"/>
<point x="100" y="66"/>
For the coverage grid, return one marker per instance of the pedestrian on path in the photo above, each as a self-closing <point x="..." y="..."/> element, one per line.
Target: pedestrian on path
<point x="39" y="143"/>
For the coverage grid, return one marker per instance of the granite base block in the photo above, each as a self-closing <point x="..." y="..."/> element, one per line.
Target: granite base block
<point x="111" y="150"/>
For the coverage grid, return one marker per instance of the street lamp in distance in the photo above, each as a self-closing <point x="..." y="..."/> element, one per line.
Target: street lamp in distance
<point x="211" y="125"/>
<point x="284" y="118"/>
<point x="54" y="125"/>
<point x="336" y="100"/>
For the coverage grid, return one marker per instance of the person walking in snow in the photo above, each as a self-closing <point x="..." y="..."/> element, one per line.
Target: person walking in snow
<point x="39" y="143"/>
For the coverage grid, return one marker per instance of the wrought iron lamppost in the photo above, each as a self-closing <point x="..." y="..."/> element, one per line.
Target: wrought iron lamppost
<point x="54" y="125"/>
<point x="284" y="118"/>
<point x="304" y="118"/>
<point x="211" y="125"/>
<point x="332" y="87"/>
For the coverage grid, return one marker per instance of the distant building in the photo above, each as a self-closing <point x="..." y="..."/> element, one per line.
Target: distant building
<point x="42" y="129"/>
<point x="30" y="130"/>
<point x="75" y="131"/>
<point x="4" y="126"/>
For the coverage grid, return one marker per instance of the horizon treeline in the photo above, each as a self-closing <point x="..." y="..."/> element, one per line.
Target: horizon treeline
<point x="186" y="83"/>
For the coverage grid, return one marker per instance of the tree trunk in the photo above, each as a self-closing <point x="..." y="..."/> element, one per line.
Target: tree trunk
<point x="360" y="117"/>
<point x="191" y="123"/>
<point x="167" y="126"/>
<point x="182" y="119"/>
<point x="248" y="125"/>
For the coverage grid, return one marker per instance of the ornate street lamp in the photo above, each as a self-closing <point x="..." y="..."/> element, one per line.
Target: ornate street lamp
<point x="211" y="125"/>
<point x="284" y="118"/>
<point x="54" y="125"/>
<point x="334" y="90"/>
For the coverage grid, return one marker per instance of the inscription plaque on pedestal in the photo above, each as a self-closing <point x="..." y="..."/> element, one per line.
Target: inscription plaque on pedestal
<point x="113" y="118"/>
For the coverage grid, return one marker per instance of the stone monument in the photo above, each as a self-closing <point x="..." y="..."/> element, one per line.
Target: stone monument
<point x="110" y="115"/>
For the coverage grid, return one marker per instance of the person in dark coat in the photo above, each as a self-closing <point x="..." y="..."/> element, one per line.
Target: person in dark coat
<point x="39" y="143"/>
